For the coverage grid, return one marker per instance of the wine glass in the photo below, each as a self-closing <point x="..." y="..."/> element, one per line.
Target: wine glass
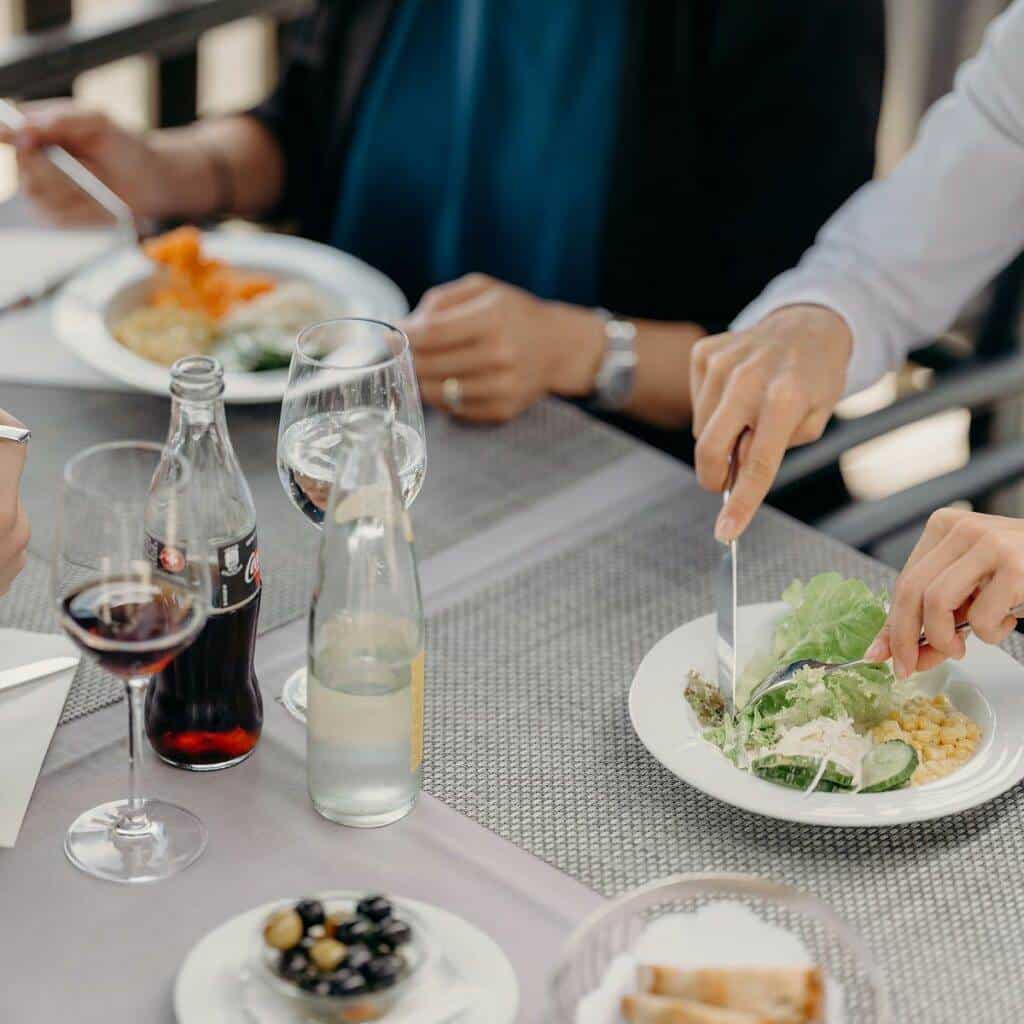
<point x="131" y="587"/>
<point x="338" y="369"/>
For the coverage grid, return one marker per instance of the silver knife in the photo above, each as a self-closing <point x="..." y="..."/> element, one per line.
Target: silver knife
<point x="34" y="670"/>
<point x="725" y="602"/>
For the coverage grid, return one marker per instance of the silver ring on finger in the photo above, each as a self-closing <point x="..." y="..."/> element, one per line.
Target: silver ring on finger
<point x="451" y="393"/>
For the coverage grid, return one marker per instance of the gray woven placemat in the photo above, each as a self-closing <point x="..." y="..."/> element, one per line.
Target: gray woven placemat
<point x="475" y="477"/>
<point x="529" y="734"/>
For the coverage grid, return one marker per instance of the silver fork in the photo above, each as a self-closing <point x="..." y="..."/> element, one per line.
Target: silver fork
<point x="783" y="675"/>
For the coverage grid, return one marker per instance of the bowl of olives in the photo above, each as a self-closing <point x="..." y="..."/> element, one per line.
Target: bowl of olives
<point x="343" y="958"/>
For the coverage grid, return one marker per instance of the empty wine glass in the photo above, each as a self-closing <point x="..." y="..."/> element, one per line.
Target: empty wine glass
<point x="340" y="368"/>
<point x="131" y="587"/>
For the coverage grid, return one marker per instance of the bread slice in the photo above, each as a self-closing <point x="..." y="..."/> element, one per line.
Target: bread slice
<point x="790" y="993"/>
<point x="648" y="1009"/>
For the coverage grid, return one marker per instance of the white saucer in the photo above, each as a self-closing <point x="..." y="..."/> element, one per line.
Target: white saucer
<point x="208" y="989"/>
<point x="294" y="695"/>
<point x="988" y="685"/>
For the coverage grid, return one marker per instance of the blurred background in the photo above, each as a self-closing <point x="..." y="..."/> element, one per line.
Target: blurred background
<point x="912" y="437"/>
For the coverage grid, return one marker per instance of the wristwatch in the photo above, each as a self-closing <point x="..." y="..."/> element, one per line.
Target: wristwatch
<point x="614" y="383"/>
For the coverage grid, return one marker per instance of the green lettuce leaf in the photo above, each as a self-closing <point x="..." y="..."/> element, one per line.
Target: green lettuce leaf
<point x="865" y="693"/>
<point x="832" y="619"/>
<point x="749" y="730"/>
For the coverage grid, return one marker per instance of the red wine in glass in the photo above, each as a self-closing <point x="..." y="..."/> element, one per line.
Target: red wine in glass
<point x="132" y="626"/>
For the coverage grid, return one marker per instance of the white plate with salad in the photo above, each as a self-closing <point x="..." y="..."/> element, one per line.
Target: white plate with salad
<point x="241" y="296"/>
<point x="850" y="748"/>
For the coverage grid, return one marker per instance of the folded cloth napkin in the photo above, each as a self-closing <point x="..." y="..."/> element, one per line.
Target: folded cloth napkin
<point x="28" y="717"/>
<point x="39" y="257"/>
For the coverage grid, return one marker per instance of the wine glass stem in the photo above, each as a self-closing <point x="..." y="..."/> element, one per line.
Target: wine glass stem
<point x="135" y="821"/>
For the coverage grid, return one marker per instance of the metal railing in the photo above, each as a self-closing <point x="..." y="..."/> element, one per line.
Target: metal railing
<point x="53" y="50"/>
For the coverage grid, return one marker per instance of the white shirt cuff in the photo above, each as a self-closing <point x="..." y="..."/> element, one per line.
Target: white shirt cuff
<point x="867" y="363"/>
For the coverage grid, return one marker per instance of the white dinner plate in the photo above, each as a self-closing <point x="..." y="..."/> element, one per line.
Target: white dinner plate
<point x="207" y="990"/>
<point x="988" y="685"/>
<point x="88" y="305"/>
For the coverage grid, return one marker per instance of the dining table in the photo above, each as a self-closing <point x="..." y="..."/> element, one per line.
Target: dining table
<point x="554" y="552"/>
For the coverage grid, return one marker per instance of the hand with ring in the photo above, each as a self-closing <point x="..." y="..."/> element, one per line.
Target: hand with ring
<point x="486" y="351"/>
<point x="451" y="393"/>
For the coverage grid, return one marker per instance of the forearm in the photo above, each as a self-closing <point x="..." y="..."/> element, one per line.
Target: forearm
<point x="900" y="259"/>
<point x="230" y="165"/>
<point x="661" y="380"/>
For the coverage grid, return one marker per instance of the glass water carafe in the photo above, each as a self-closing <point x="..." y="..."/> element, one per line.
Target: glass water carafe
<point x="365" y="711"/>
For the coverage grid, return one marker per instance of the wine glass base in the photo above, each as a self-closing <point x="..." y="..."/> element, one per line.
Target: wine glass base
<point x="174" y="839"/>
<point x="294" y="695"/>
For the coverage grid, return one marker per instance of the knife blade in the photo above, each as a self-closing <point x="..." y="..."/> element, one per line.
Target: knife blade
<point x="725" y="601"/>
<point x="29" y="673"/>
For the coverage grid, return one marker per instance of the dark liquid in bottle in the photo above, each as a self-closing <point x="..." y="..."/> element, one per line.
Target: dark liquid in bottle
<point x="132" y="627"/>
<point x="204" y="711"/>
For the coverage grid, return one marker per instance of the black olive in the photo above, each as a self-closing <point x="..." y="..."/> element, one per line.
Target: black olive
<point x="395" y="933"/>
<point x="309" y="981"/>
<point x="374" y="908"/>
<point x="347" y="983"/>
<point x="384" y="971"/>
<point x="357" y="958"/>
<point x="292" y="963"/>
<point x="354" y="931"/>
<point x="311" y="912"/>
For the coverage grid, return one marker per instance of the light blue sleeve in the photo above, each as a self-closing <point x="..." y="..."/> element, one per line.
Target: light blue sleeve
<point x="900" y="259"/>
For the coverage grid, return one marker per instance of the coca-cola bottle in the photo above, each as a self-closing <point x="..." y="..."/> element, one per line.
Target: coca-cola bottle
<point x="204" y="711"/>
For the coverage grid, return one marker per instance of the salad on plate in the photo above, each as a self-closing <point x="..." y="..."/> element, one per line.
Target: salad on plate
<point x="850" y="730"/>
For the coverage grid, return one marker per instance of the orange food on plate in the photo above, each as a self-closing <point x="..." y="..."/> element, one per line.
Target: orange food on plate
<point x="190" y="280"/>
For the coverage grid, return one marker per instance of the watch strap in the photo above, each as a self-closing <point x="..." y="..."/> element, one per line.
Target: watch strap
<point x="614" y="383"/>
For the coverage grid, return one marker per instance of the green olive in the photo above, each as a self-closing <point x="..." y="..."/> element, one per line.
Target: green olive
<point x="327" y="954"/>
<point x="283" y="929"/>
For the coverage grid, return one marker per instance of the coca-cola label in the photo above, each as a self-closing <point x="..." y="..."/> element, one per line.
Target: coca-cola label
<point x="235" y="572"/>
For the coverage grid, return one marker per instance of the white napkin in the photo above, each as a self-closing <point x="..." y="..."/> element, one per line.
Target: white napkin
<point x="35" y="257"/>
<point x="28" y="717"/>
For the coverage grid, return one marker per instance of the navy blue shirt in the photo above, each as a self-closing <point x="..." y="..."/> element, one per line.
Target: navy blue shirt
<point x="484" y="141"/>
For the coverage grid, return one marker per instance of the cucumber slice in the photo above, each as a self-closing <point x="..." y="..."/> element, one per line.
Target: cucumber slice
<point x="798" y="772"/>
<point x="888" y="766"/>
